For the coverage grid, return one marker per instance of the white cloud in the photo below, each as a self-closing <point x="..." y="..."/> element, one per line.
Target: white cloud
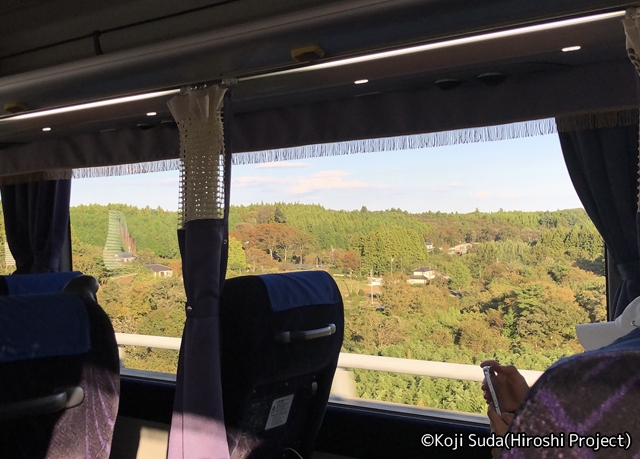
<point x="509" y="195"/>
<point x="482" y="194"/>
<point x="172" y="181"/>
<point x="258" y="181"/>
<point x="454" y="185"/>
<point x="283" y="165"/>
<point x="325" y="180"/>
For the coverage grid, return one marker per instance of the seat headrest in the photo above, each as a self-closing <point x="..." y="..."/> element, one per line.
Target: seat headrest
<point x="23" y="284"/>
<point x="38" y="326"/>
<point x="293" y="290"/>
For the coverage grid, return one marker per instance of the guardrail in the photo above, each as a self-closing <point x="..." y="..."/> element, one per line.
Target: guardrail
<point x="356" y="361"/>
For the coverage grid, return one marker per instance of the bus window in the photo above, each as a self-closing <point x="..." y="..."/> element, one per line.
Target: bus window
<point x="445" y="257"/>
<point x="453" y="255"/>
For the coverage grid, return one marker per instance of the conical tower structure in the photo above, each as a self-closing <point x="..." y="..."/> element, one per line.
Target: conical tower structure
<point x="119" y="245"/>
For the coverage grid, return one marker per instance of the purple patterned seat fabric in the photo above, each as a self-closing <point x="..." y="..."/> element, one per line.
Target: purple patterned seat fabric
<point x="595" y="394"/>
<point x="81" y="432"/>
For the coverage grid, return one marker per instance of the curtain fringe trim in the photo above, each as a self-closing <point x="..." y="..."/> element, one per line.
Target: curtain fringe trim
<point x="408" y="142"/>
<point x="127" y="169"/>
<point x="399" y="143"/>
<point x="597" y="120"/>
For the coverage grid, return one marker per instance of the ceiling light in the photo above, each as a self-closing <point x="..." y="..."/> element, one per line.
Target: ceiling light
<point x="151" y="114"/>
<point x="568" y="49"/>
<point x="337" y="63"/>
<point x="46" y="129"/>
<point x="100" y="103"/>
<point x="444" y="44"/>
<point x="361" y="81"/>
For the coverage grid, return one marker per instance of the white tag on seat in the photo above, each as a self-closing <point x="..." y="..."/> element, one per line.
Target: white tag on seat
<point x="279" y="412"/>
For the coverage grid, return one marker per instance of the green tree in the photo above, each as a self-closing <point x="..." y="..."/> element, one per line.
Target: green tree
<point x="544" y="315"/>
<point x="460" y="275"/>
<point x="592" y="297"/>
<point x="237" y="258"/>
<point x="278" y="215"/>
<point x="474" y="333"/>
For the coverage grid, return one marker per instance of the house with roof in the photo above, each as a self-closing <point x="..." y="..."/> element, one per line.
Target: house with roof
<point x="160" y="270"/>
<point x="460" y="249"/>
<point x="424" y="271"/>
<point x="124" y="257"/>
<point x="422" y="275"/>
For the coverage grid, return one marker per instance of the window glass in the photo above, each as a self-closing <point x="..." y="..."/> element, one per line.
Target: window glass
<point x="453" y="254"/>
<point x="123" y="232"/>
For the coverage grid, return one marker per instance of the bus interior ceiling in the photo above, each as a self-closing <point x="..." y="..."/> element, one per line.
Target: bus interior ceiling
<point x="45" y="62"/>
<point x="63" y="52"/>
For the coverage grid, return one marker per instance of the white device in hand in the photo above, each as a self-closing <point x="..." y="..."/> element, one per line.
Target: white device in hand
<point x="487" y="376"/>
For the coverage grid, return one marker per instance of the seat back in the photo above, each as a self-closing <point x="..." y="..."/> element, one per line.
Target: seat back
<point x="23" y="284"/>
<point x="280" y="340"/>
<point x="59" y="375"/>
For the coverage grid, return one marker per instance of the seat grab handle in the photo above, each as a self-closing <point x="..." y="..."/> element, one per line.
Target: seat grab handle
<point x="287" y="337"/>
<point x="67" y="398"/>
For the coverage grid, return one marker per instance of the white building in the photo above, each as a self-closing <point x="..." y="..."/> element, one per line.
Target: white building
<point x="422" y="275"/>
<point x="160" y="270"/>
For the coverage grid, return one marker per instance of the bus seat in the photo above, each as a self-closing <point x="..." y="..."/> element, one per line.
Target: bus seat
<point x="22" y="284"/>
<point x="281" y="336"/>
<point x="59" y="375"/>
<point x="585" y="398"/>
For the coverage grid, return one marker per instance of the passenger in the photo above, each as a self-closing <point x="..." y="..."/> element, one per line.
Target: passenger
<point x="512" y="389"/>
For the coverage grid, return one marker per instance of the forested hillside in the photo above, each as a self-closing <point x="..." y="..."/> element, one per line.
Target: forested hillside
<point x="507" y="285"/>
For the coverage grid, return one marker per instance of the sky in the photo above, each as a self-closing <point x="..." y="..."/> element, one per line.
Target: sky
<point x="521" y="174"/>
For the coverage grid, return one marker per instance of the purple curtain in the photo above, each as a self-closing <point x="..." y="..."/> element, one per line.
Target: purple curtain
<point x="198" y="420"/>
<point x="36" y="218"/>
<point x="197" y="426"/>
<point x="603" y="166"/>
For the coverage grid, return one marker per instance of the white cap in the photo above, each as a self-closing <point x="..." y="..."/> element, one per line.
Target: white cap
<point x="597" y="335"/>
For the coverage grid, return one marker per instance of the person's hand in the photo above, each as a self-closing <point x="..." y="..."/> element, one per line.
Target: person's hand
<point x="499" y="424"/>
<point x="510" y="386"/>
